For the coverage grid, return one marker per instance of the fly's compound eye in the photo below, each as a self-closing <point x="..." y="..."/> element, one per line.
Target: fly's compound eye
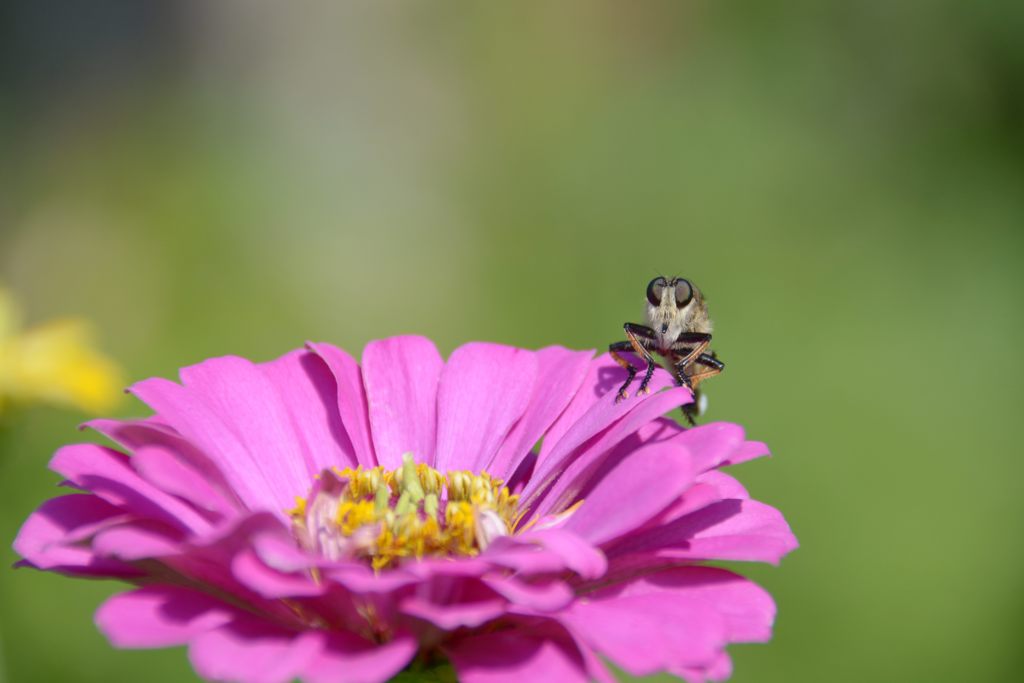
<point x="655" y="289"/>
<point x="684" y="293"/>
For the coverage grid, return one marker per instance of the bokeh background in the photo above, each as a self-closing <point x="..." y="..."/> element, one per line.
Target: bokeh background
<point x="845" y="180"/>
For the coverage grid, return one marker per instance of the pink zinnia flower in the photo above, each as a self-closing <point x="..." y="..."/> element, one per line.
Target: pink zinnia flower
<point x="310" y="518"/>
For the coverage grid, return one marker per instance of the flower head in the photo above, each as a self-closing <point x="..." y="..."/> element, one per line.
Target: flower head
<point x="313" y="518"/>
<point x="53" y="363"/>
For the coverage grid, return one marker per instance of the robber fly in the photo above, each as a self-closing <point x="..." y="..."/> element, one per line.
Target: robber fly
<point x="679" y="331"/>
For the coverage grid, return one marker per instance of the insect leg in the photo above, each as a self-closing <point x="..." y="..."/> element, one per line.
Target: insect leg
<point x="679" y="371"/>
<point x="690" y="410"/>
<point x="687" y="350"/>
<point x="712" y="366"/>
<point x="639" y="337"/>
<point x="613" y="350"/>
<point x="687" y="347"/>
<point x="638" y="334"/>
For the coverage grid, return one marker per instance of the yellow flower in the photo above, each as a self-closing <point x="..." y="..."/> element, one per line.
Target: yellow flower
<point x="54" y="363"/>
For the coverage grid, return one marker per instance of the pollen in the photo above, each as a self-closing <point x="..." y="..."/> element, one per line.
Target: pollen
<point x="385" y="517"/>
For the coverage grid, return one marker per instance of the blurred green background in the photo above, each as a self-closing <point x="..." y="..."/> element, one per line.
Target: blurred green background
<point x="845" y="180"/>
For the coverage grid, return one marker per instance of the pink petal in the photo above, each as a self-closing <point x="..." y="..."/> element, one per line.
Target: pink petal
<point x="108" y="474"/>
<point x="560" y="372"/>
<point x="698" y="496"/>
<point x="401" y="376"/>
<point x="346" y="657"/>
<point x="523" y="558"/>
<point x="434" y="567"/>
<point x="358" y="578"/>
<point x="547" y="551"/>
<point x="593" y="407"/>
<point x="135" y="434"/>
<point x="209" y="559"/>
<point x="309" y="393"/>
<point x="577" y="554"/>
<point x="254" y="574"/>
<point x="727" y="486"/>
<point x="567" y="471"/>
<point x="250" y="650"/>
<point x="484" y="390"/>
<point x="351" y="400"/>
<point x="51" y="538"/>
<point x="718" y="444"/>
<point x="710" y="487"/>
<point x="159" y="616"/>
<point x="163" y="468"/>
<point x="711" y="443"/>
<point x="541" y="596"/>
<point x="601" y="376"/>
<point x="450" y="601"/>
<point x="248" y="404"/>
<point x="450" y="616"/>
<point x="744" y="530"/>
<point x="515" y="656"/>
<point x="720" y="669"/>
<point x="247" y="530"/>
<point x="595" y="666"/>
<point x="747" y="609"/>
<point x="261" y="482"/>
<point x="637" y="488"/>
<point x="279" y="551"/>
<point x="747" y="451"/>
<point x="138" y="541"/>
<point x="645" y="634"/>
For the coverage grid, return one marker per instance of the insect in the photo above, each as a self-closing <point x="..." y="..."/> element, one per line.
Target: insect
<point x="679" y="331"/>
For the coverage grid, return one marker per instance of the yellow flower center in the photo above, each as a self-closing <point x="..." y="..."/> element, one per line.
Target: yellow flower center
<point x="384" y="516"/>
